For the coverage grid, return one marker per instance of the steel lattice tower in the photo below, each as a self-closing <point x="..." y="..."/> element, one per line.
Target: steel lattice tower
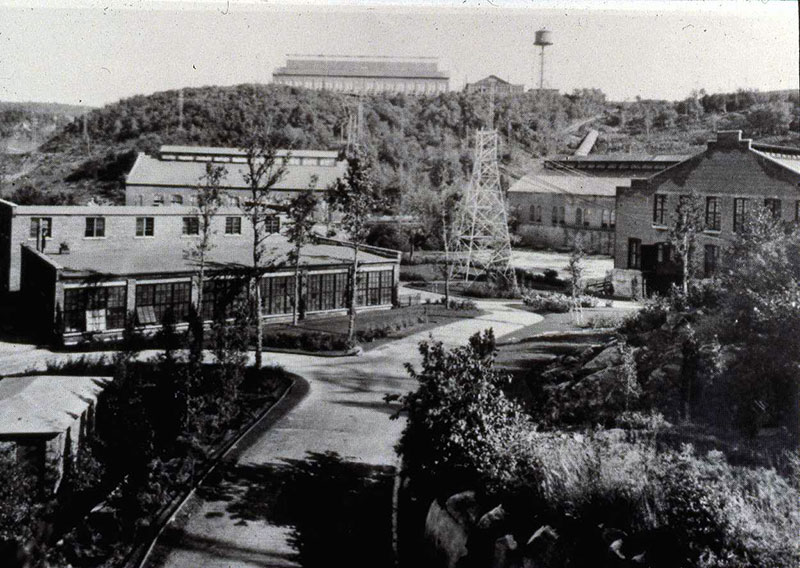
<point x="481" y="241"/>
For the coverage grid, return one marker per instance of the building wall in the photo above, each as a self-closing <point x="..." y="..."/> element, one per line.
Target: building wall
<point x="413" y="86"/>
<point x="596" y="237"/>
<point x="69" y="225"/>
<point x="727" y="170"/>
<point x="6" y="226"/>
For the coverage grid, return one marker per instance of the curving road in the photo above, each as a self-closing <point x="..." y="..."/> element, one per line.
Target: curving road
<point x="314" y="489"/>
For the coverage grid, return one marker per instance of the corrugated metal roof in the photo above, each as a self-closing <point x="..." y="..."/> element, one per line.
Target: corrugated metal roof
<point x="623" y="158"/>
<point x="362" y="67"/>
<point x="570" y="185"/>
<point x="45" y="404"/>
<point x="788" y="161"/>
<point x="231" y="253"/>
<point x="116" y="210"/>
<point x="151" y="171"/>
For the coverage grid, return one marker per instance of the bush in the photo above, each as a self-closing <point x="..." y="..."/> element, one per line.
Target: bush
<point x="489" y="290"/>
<point x="556" y="303"/>
<point x="467" y="305"/>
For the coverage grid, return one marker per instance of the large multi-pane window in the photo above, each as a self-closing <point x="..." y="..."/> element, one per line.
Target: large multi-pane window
<point x="711" y="260"/>
<point x="97" y="308"/>
<point x="375" y="288"/>
<point x="659" y="209"/>
<point x="774" y="207"/>
<point x="153" y="301"/>
<point x="191" y="226"/>
<point x="222" y="296"/>
<point x="713" y="216"/>
<point x="277" y="294"/>
<point x="145" y="226"/>
<point x="43" y="224"/>
<point x="741" y="209"/>
<point x="95" y="227"/>
<point x="634" y="253"/>
<point x="233" y="225"/>
<point x="272" y="224"/>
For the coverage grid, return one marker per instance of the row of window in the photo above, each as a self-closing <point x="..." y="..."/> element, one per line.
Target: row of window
<point x="711" y="255"/>
<point x="292" y="161"/>
<point x="608" y="217"/>
<point x="95" y="309"/>
<point x="145" y="226"/>
<point x="370" y="86"/>
<point x="713" y="211"/>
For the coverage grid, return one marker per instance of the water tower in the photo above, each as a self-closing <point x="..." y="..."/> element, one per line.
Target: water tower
<point x="543" y="39"/>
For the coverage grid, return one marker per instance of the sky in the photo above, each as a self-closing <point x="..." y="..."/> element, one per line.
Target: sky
<point x="95" y="52"/>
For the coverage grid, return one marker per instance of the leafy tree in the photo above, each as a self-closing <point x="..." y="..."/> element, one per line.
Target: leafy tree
<point x="687" y="222"/>
<point x="19" y="506"/>
<point x="300" y="233"/>
<point x="264" y="170"/>
<point x="208" y="203"/>
<point x="355" y="197"/>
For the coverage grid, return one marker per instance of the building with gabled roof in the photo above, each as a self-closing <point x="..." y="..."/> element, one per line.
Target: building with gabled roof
<point x="493" y="83"/>
<point x="363" y="74"/>
<point x="732" y="176"/>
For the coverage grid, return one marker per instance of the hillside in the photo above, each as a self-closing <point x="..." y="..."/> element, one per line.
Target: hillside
<point x="418" y="141"/>
<point x="23" y="126"/>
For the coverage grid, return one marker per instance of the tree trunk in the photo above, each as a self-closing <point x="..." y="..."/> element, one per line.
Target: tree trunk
<point x="259" y="326"/>
<point x="296" y="287"/>
<point x="446" y="264"/>
<point x="351" y="324"/>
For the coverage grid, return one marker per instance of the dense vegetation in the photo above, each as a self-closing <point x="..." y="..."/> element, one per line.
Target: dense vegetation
<point x="417" y="141"/>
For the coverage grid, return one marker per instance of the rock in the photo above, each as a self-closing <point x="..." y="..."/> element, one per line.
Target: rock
<point x="445" y="536"/>
<point x="615" y="549"/>
<point x="493" y="519"/>
<point x="504" y="552"/>
<point x="606" y="358"/>
<point x="541" y="548"/>
<point x="639" y="560"/>
<point x="464" y="508"/>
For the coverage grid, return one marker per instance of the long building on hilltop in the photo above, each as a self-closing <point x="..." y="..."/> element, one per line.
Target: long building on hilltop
<point x="361" y="74"/>
<point x="171" y="177"/>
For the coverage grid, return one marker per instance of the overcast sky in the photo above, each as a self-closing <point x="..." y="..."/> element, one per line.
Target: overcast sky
<point x="95" y="52"/>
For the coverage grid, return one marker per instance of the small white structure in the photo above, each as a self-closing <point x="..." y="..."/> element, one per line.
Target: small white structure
<point x="45" y="418"/>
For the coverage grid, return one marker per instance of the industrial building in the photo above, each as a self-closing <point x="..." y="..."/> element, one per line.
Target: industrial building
<point x="732" y="176"/>
<point x="78" y="295"/>
<point x="361" y="74"/>
<point x="171" y="177"/>
<point x="493" y="84"/>
<point x="44" y="419"/>
<point x="571" y="196"/>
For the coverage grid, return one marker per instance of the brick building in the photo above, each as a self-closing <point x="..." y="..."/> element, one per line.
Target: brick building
<point x="576" y="195"/>
<point x="359" y="74"/>
<point x="171" y="176"/>
<point x="493" y="83"/>
<point x="731" y="176"/>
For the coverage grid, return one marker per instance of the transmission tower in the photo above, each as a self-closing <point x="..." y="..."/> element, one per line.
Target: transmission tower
<point x="481" y="241"/>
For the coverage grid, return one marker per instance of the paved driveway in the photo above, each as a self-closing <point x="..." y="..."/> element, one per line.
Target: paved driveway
<point x="315" y="488"/>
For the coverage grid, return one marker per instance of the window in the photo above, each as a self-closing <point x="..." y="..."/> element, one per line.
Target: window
<point x="613" y="218"/>
<point x="153" y="301"/>
<point x="233" y="225"/>
<point x="539" y="214"/>
<point x="663" y="253"/>
<point x="144" y="226"/>
<point x="43" y="224"/>
<point x="277" y="294"/>
<point x="659" y="208"/>
<point x="774" y="207"/>
<point x="272" y="224"/>
<point x="158" y="199"/>
<point x="711" y="260"/>
<point x="561" y="217"/>
<point x="578" y="216"/>
<point x="94" y="309"/>
<point x="95" y="227"/>
<point x="191" y="226"/>
<point x="532" y="214"/>
<point x="797" y="211"/>
<point x="177" y="199"/>
<point x="604" y="218"/>
<point x="375" y="288"/>
<point x="741" y="208"/>
<point x="712" y="214"/>
<point x="554" y="218"/>
<point x="634" y="253"/>
<point x="222" y="296"/>
<point x="586" y="213"/>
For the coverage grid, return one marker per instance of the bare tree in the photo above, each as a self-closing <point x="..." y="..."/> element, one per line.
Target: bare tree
<point x="264" y="169"/>
<point x="208" y="202"/>
<point x="575" y="268"/>
<point x="300" y="232"/>
<point x="687" y="222"/>
<point x="355" y="197"/>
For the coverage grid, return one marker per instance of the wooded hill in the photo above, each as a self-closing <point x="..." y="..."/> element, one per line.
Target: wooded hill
<point x="418" y="141"/>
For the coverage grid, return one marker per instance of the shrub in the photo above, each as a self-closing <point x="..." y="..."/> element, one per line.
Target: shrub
<point x="489" y="290"/>
<point x="459" y="305"/>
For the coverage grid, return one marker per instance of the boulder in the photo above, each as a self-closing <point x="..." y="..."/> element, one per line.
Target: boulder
<point x="445" y="537"/>
<point x="492" y="520"/>
<point x="464" y="508"/>
<point x="606" y="358"/>
<point x="505" y="549"/>
<point x="639" y="560"/>
<point x="615" y="550"/>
